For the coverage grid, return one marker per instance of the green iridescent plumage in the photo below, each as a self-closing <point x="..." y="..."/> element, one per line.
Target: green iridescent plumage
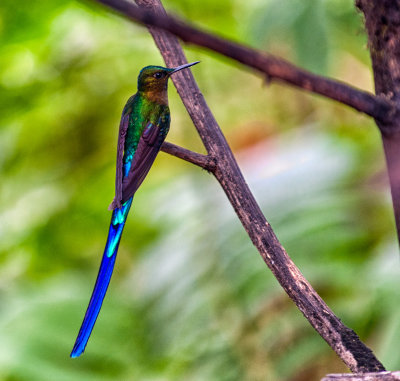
<point x="144" y="125"/>
<point x="142" y="110"/>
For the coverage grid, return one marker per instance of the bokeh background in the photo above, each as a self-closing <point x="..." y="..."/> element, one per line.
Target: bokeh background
<point x="190" y="298"/>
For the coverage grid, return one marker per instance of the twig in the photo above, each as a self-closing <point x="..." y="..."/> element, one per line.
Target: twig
<point x="379" y="376"/>
<point x="204" y="161"/>
<point x="342" y="340"/>
<point x="380" y="108"/>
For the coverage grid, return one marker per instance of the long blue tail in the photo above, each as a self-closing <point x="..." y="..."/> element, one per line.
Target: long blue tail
<point x="103" y="278"/>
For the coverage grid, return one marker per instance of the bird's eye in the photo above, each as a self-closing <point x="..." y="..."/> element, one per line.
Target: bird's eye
<point x="158" y="75"/>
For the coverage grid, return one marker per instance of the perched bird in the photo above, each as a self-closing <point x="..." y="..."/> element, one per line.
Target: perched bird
<point x="144" y="125"/>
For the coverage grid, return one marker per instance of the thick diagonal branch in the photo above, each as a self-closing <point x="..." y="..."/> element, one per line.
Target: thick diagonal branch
<point x="343" y="340"/>
<point x="273" y="67"/>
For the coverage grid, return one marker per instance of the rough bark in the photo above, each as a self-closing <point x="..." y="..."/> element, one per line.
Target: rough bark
<point x="343" y="340"/>
<point x="384" y="107"/>
<point x="382" y="22"/>
<point x="272" y="67"/>
<point x="204" y="161"/>
<point x="379" y="376"/>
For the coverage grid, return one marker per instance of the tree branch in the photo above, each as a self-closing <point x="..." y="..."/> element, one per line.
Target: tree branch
<point x="379" y="376"/>
<point x="378" y="107"/>
<point x="383" y="28"/>
<point x="343" y="340"/>
<point x="204" y="161"/>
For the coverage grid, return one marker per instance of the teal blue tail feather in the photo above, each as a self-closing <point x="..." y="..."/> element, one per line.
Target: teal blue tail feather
<point x="103" y="278"/>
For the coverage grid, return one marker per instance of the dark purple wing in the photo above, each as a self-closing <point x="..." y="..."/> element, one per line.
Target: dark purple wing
<point x="123" y="128"/>
<point x="145" y="154"/>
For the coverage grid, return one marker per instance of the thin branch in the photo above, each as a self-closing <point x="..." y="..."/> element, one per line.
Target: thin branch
<point x="378" y="376"/>
<point x="342" y="340"/>
<point x="378" y="107"/>
<point x="204" y="161"/>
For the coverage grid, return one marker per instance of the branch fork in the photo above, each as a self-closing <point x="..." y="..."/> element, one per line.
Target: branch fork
<point x="221" y="162"/>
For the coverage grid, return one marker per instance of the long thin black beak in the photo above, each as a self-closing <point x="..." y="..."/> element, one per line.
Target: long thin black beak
<point x="183" y="67"/>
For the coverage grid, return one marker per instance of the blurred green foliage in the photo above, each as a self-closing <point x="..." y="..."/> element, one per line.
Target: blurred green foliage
<point x="190" y="298"/>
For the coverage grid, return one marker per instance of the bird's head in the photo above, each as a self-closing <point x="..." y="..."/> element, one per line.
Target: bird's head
<point x="153" y="81"/>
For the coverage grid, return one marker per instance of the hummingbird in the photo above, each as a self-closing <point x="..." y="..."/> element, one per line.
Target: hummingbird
<point x="144" y="125"/>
